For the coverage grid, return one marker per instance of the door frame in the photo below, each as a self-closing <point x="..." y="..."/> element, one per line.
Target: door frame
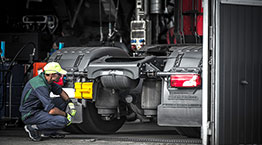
<point x="205" y="76"/>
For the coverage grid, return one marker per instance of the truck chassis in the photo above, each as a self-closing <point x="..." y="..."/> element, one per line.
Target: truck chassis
<point x="161" y="84"/>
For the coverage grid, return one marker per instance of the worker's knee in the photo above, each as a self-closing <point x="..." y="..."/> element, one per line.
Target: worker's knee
<point x="59" y="121"/>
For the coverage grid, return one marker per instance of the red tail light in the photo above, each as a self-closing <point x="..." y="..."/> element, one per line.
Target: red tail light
<point x="185" y="80"/>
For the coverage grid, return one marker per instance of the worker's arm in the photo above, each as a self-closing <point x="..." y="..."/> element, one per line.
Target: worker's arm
<point x="71" y="106"/>
<point x="57" y="90"/>
<point x="43" y="95"/>
<point x="57" y="111"/>
<point x="64" y="95"/>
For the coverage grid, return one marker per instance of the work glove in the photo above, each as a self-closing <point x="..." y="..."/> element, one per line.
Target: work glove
<point x="72" y="109"/>
<point x="69" y="118"/>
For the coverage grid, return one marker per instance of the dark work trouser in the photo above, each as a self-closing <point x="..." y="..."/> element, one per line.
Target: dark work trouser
<point x="47" y="122"/>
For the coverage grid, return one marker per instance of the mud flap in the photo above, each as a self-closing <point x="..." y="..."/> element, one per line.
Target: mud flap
<point x="78" y="118"/>
<point x="179" y="115"/>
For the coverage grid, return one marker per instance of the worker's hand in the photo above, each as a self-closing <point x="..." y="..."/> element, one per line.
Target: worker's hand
<point x="69" y="118"/>
<point x="72" y="109"/>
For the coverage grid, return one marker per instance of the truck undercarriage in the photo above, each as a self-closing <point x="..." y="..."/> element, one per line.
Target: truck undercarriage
<point x="115" y="87"/>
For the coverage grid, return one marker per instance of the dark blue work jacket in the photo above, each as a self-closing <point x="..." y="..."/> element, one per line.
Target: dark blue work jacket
<point x="36" y="96"/>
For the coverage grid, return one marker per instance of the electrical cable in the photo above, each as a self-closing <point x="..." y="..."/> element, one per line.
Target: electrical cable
<point x="76" y="13"/>
<point x="10" y="67"/>
<point x="19" y="52"/>
<point x="115" y="31"/>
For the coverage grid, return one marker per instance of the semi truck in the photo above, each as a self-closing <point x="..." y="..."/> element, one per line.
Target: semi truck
<point x="158" y="83"/>
<point x="188" y="64"/>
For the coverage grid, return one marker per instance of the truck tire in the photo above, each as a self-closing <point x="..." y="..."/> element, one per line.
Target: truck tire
<point x="73" y="128"/>
<point x="93" y="123"/>
<point x="193" y="132"/>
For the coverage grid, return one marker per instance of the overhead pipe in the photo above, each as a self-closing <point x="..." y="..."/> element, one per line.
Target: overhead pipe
<point x="100" y="21"/>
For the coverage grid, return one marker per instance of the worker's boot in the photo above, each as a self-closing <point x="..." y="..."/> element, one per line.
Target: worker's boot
<point x="33" y="132"/>
<point x="54" y="134"/>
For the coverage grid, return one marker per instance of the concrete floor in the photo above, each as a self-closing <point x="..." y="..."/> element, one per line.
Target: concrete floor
<point x="129" y="134"/>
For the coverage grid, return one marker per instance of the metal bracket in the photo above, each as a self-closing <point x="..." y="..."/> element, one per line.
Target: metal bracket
<point x="210" y="60"/>
<point x="209" y="128"/>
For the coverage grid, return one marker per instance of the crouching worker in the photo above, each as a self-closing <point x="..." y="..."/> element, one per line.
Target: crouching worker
<point x="39" y="112"/>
